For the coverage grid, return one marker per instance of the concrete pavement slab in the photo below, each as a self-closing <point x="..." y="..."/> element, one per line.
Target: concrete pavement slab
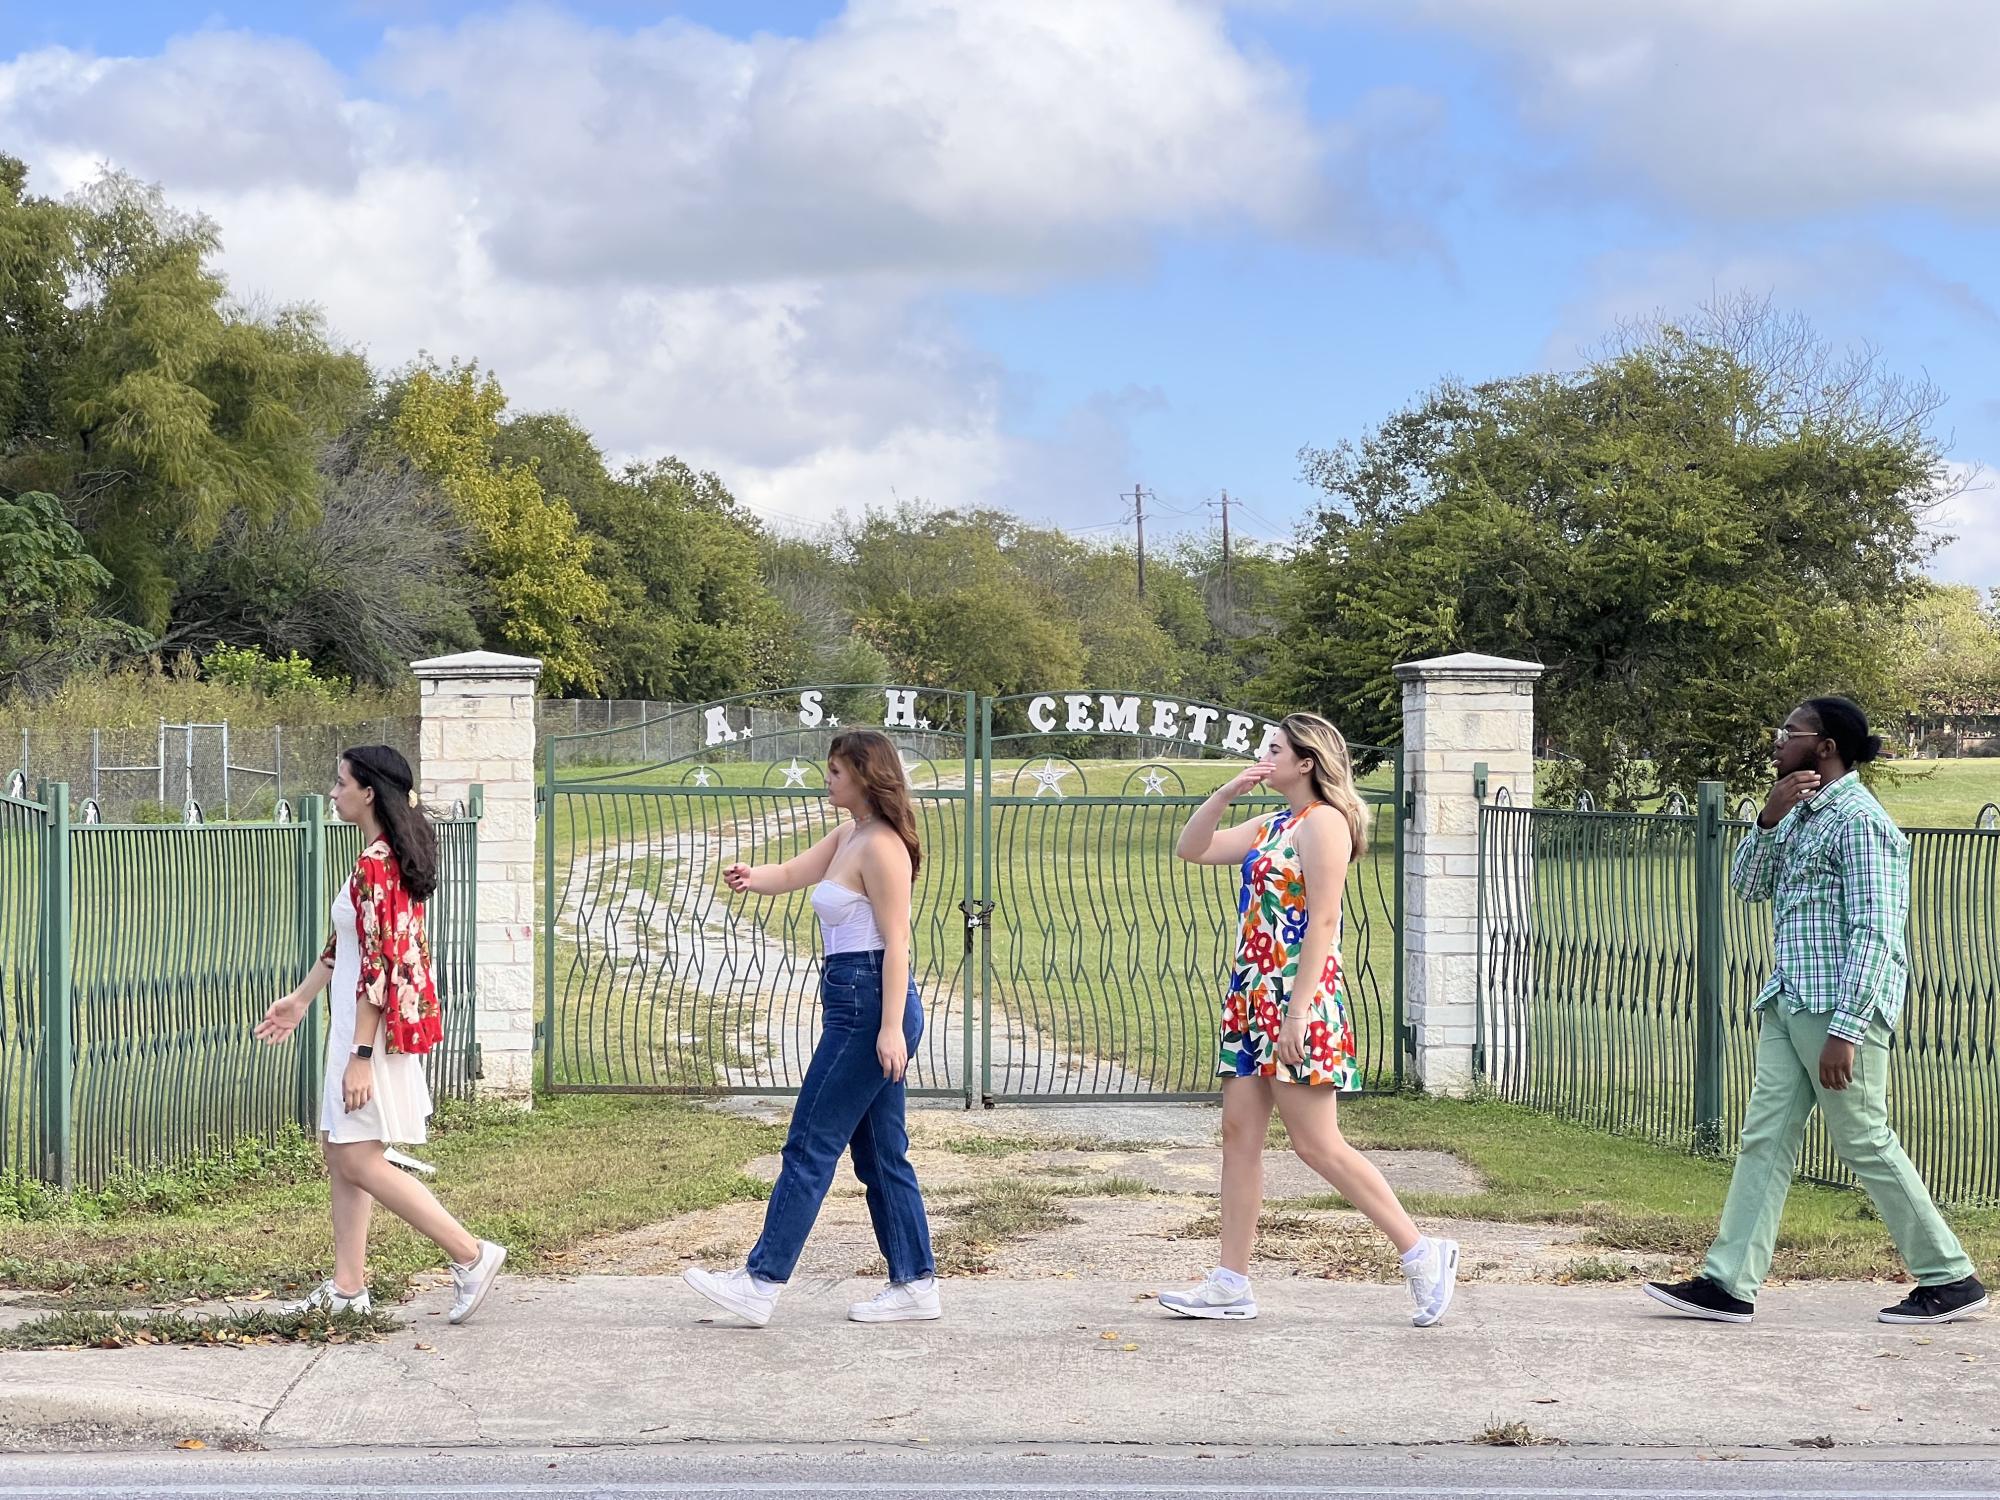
<point x="627" y="1359"/>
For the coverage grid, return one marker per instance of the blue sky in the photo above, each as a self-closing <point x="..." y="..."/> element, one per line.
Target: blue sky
<point x="1030" y="254"/>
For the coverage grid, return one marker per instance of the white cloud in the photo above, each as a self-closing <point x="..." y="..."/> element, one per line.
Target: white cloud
<point x="1972" y="517"/>
<point x="736" y="250"/>
<point x="1756" y="108"/>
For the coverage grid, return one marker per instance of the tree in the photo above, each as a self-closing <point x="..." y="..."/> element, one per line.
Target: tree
<point x="1947" y="656"/>
<point x="1687" y="544"/>
<point x="51" y="595"/>
<point x="376" y="580"/>
<point x="541" y="600"/>
<point x="135" y="391"/>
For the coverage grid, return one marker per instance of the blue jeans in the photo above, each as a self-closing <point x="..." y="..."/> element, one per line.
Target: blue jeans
<point x="846" y="1104"/>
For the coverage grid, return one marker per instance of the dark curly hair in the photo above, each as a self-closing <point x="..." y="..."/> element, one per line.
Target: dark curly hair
<point x="383" y="771"/>
<point x="1842" y="721"/>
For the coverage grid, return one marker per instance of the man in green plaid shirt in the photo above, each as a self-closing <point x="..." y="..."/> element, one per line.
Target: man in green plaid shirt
<point x="1836" y="870"/>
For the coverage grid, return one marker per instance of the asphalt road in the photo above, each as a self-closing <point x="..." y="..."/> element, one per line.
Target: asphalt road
<point x="693" y="1473"/>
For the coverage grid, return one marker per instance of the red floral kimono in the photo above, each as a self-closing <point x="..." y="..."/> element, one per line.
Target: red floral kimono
<point x="395" y="955"/>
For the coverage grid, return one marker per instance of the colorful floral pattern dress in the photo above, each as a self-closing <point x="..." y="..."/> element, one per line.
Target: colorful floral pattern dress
<point x="1272" y="913"/>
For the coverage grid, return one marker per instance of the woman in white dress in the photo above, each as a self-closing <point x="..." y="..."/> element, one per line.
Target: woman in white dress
<point x="382" y="1018"/>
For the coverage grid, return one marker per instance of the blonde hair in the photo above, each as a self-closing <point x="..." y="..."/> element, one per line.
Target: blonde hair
<point x="1333" y="771"/>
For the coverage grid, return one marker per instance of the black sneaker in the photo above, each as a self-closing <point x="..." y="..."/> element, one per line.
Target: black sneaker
<point x="1701" y="1298"/>
<point x="1938" y="1304"/>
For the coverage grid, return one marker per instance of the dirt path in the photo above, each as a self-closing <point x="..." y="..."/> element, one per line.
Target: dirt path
<point x="1011" y="1197"/>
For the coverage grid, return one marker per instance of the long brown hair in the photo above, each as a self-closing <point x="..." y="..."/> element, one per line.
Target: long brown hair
<point x="1332" y="772"/>
<point x="383" y="771"/>
<point x="873" y="761"/>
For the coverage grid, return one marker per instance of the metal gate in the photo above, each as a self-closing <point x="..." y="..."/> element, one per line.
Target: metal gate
<point x="1062" y="952"/>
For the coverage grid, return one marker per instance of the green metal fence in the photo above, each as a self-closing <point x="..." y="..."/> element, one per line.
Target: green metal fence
<point x="136" y="959"/>
<point x="1618" y="974"/>
<point x="1061" y="950"/>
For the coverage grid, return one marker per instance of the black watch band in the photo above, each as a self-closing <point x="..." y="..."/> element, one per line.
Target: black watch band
<point x="364" y="1049"/>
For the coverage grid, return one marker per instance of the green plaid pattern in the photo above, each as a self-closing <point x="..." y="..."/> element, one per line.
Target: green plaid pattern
<point x="1837" y="872"/>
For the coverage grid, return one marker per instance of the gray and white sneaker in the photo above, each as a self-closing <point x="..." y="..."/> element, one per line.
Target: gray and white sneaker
<point x="735" y="1291"/>
<point x="900" y="1302"/>
<point x="1211" y="1299"/>
<point x="1432" y="1279"/>
<point x="328" y="1298"/>
<point x="473" y="1282"/>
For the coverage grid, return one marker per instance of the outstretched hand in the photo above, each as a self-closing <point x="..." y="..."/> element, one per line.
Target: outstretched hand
<point x="737" y="878"/>
<point x="280" y="1021"/>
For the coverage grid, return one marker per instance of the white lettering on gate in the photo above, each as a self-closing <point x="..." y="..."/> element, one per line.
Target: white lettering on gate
<point x="1238" y="738"/>
<point x="1269" y="743"/>
<point x="1042" y="714"/>
<point x="902" y="712"/>
<point x="719" y="731"/>
<point x="1199" y="718"/>
<point x="1166" y="719"/>
<point x="1120" y="716"/>
<point x="811" y="714"/>
<point x="1079" y="712"/>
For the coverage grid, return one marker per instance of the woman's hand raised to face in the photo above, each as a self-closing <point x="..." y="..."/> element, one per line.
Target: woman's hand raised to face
<point x="1247" y="780"/>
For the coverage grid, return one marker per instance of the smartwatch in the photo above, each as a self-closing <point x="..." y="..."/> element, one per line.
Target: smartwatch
<point x="365" y="1049"/>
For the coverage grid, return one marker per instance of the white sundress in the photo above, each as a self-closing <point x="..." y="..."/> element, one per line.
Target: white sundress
<point x="399" y="1112"/>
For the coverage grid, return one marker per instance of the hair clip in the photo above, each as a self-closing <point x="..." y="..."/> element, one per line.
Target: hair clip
<point x="413" y="796"/>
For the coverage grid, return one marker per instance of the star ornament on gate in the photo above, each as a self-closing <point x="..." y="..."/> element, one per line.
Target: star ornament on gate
<point x="702" y="778"/>
<point x="1153" y="784"/>
<point x="795" y="774"/>
<point x="1049" y="778"/>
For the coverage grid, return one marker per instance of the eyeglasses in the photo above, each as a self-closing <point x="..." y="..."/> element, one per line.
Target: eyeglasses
<point x="1784" y="734"/>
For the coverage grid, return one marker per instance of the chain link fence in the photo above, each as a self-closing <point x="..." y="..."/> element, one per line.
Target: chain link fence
<point x="149" y="774"/>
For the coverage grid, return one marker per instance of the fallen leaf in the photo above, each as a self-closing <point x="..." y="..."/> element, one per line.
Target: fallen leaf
<point x="1107" y="1335"/>
<point x="1821" y="1441"/>
<point x="1545" y="1400"/>
<point x="1128" y="1348"/>
<point x="426" y="1346"/>
<point x="191" y="1444"/>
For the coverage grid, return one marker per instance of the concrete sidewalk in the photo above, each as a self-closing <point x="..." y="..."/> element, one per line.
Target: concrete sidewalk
<point x="618" y="1359"/>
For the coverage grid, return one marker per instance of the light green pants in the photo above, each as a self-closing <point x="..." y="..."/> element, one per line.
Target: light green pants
<point x="1857" y="1121"/>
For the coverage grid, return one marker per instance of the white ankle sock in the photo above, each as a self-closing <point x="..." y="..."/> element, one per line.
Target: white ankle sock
<point x="1232" y="1281"/>
<point x="767" y="1288"/>
<point x="1417" y="1251"/>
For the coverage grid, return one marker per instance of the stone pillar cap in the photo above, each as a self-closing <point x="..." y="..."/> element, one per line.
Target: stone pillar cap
<point x="1471" y="665"/>
<point x="479" y="665"/>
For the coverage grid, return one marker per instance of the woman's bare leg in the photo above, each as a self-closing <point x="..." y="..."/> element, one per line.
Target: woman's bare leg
<point x="1246" y="1117"/>
<point x="1312" y="1120"/>
<point x="351" y="1209"/>
<point x="406" y="1198"/>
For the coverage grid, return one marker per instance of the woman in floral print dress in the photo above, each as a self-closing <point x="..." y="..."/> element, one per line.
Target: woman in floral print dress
<point x="1287" y="1042"/>
<point x="383" y="1017"/>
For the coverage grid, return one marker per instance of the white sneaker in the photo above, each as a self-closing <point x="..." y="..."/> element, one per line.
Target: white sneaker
<point x="900" y="1302"/>
<point x="1211" y="1299"/>
<point x="735" y="1291"/>
<point x="328" y="1298"/>
<point x="1432" y="1279"/>
<point x="476" y="1280"/>
<point x="396" y="1158"/>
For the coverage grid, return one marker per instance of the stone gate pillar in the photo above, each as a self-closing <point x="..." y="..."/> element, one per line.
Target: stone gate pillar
<point x="1458" y="711"/>
<point x="479" y="727"/>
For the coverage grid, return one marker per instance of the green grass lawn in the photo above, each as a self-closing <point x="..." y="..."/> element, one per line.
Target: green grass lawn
<point x="546" y="1182"/>
<point x="539" y="1181"/>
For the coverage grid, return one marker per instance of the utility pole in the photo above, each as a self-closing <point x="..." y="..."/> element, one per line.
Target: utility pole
<point x="1138" y="499"/>
<point x="1228" y="600"/>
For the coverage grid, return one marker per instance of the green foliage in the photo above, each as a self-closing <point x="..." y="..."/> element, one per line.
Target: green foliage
<point x="1947" y="657"/>
<point x="293" y="1157"/>
<point x="528" y="547"/>
<point x="1685" y="550"/>
<point x="51" y="590"/>
<point x="140" y="396"/>
<point x="290" y="675"/>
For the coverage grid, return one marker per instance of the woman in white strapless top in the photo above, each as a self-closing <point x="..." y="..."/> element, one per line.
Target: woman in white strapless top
<point x="852" y="1098"/>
